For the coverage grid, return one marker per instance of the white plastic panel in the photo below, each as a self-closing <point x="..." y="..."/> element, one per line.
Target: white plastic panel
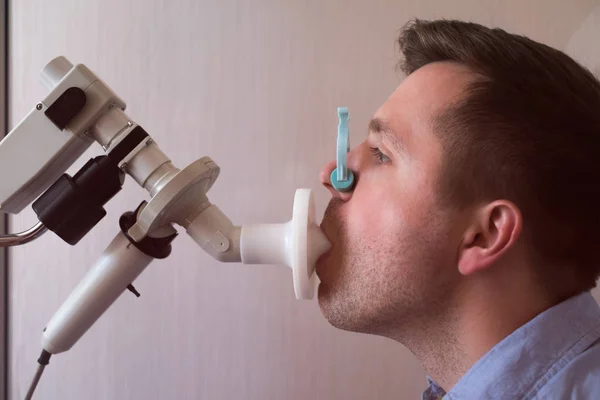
<point x="38" y="153"/>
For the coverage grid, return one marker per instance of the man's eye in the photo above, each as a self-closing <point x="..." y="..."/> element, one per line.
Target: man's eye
<point x="380" y="156"/>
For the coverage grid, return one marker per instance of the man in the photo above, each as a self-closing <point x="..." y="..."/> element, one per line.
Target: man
<point x="471" y="234"/>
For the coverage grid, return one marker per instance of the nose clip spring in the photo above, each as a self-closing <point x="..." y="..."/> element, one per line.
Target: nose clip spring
<point x="342" y="178"/>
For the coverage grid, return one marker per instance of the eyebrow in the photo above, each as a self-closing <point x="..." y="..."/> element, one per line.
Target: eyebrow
<point x="379" y="126"/>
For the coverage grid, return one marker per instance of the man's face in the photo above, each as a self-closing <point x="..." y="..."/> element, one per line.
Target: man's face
<point x="393" y="255"/>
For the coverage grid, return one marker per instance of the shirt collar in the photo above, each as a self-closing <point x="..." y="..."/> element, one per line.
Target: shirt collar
<point x="433" y="392"/>
<point x="519" y="363"/>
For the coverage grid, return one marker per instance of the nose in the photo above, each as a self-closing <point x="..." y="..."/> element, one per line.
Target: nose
<point x="325" y="177"/>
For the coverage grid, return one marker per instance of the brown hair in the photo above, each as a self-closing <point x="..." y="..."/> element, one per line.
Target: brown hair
<point x="527" y="130"/>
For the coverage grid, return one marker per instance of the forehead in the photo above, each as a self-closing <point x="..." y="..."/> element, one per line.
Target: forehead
<point x="410" y="109"/>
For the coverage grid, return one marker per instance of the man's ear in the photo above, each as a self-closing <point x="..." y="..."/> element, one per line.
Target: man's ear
<point x="493" y="230"/>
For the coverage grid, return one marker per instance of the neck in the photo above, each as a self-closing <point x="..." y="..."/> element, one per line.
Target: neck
<point x="451" y="340"/>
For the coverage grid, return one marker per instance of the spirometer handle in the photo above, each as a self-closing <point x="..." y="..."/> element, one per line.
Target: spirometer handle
<point x="119" y="265"/>
<point x="114" y="272"/>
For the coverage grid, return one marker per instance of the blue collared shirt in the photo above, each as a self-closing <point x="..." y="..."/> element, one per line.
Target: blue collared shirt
<point x="556" y="355"/>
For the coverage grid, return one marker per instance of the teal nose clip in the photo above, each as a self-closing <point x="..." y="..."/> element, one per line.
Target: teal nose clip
<point x="342" y="178"/>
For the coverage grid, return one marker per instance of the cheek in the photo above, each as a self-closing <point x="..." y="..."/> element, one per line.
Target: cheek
<point x="384" y="208"/>
<point x="374" y="216"/>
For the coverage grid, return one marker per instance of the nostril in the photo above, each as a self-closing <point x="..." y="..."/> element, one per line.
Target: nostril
<point x="325" y="174"/>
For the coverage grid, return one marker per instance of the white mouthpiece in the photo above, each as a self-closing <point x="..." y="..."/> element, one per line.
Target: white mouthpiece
<point x="297" y="243"/>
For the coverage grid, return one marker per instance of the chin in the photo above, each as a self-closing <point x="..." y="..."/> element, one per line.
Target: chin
<point x="327" y="307"/>
<point x="337" y="311"/>
<point x="344" y="309"/>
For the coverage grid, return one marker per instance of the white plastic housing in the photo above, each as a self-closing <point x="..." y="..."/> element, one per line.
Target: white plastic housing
<point x="214" y="233"/>
<point x="36" y="150"/>
<point x="297" y="243"/>
<point x="144" y="160"/>
<point x="180" y="199"/>
<point x="54" y="71"/>
<point x="119" y="265"/>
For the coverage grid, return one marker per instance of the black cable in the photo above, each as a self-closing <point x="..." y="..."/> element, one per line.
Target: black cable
<point x="42" y="361"/>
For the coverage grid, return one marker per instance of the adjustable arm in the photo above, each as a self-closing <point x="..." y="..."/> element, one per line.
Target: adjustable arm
<point x="79" y="109"/>
<point x="53" y="135"/>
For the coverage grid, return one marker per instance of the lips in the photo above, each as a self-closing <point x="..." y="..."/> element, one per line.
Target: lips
<point x="329" y="227"/>
<point x="319" y="267"/>
<point x="322" y="260"/>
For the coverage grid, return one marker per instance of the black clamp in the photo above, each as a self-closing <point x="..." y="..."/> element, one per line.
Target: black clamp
<point x="158" y="248"/>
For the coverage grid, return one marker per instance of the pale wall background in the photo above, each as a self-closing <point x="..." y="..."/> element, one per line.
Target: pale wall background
<point x="216" y="78"/>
